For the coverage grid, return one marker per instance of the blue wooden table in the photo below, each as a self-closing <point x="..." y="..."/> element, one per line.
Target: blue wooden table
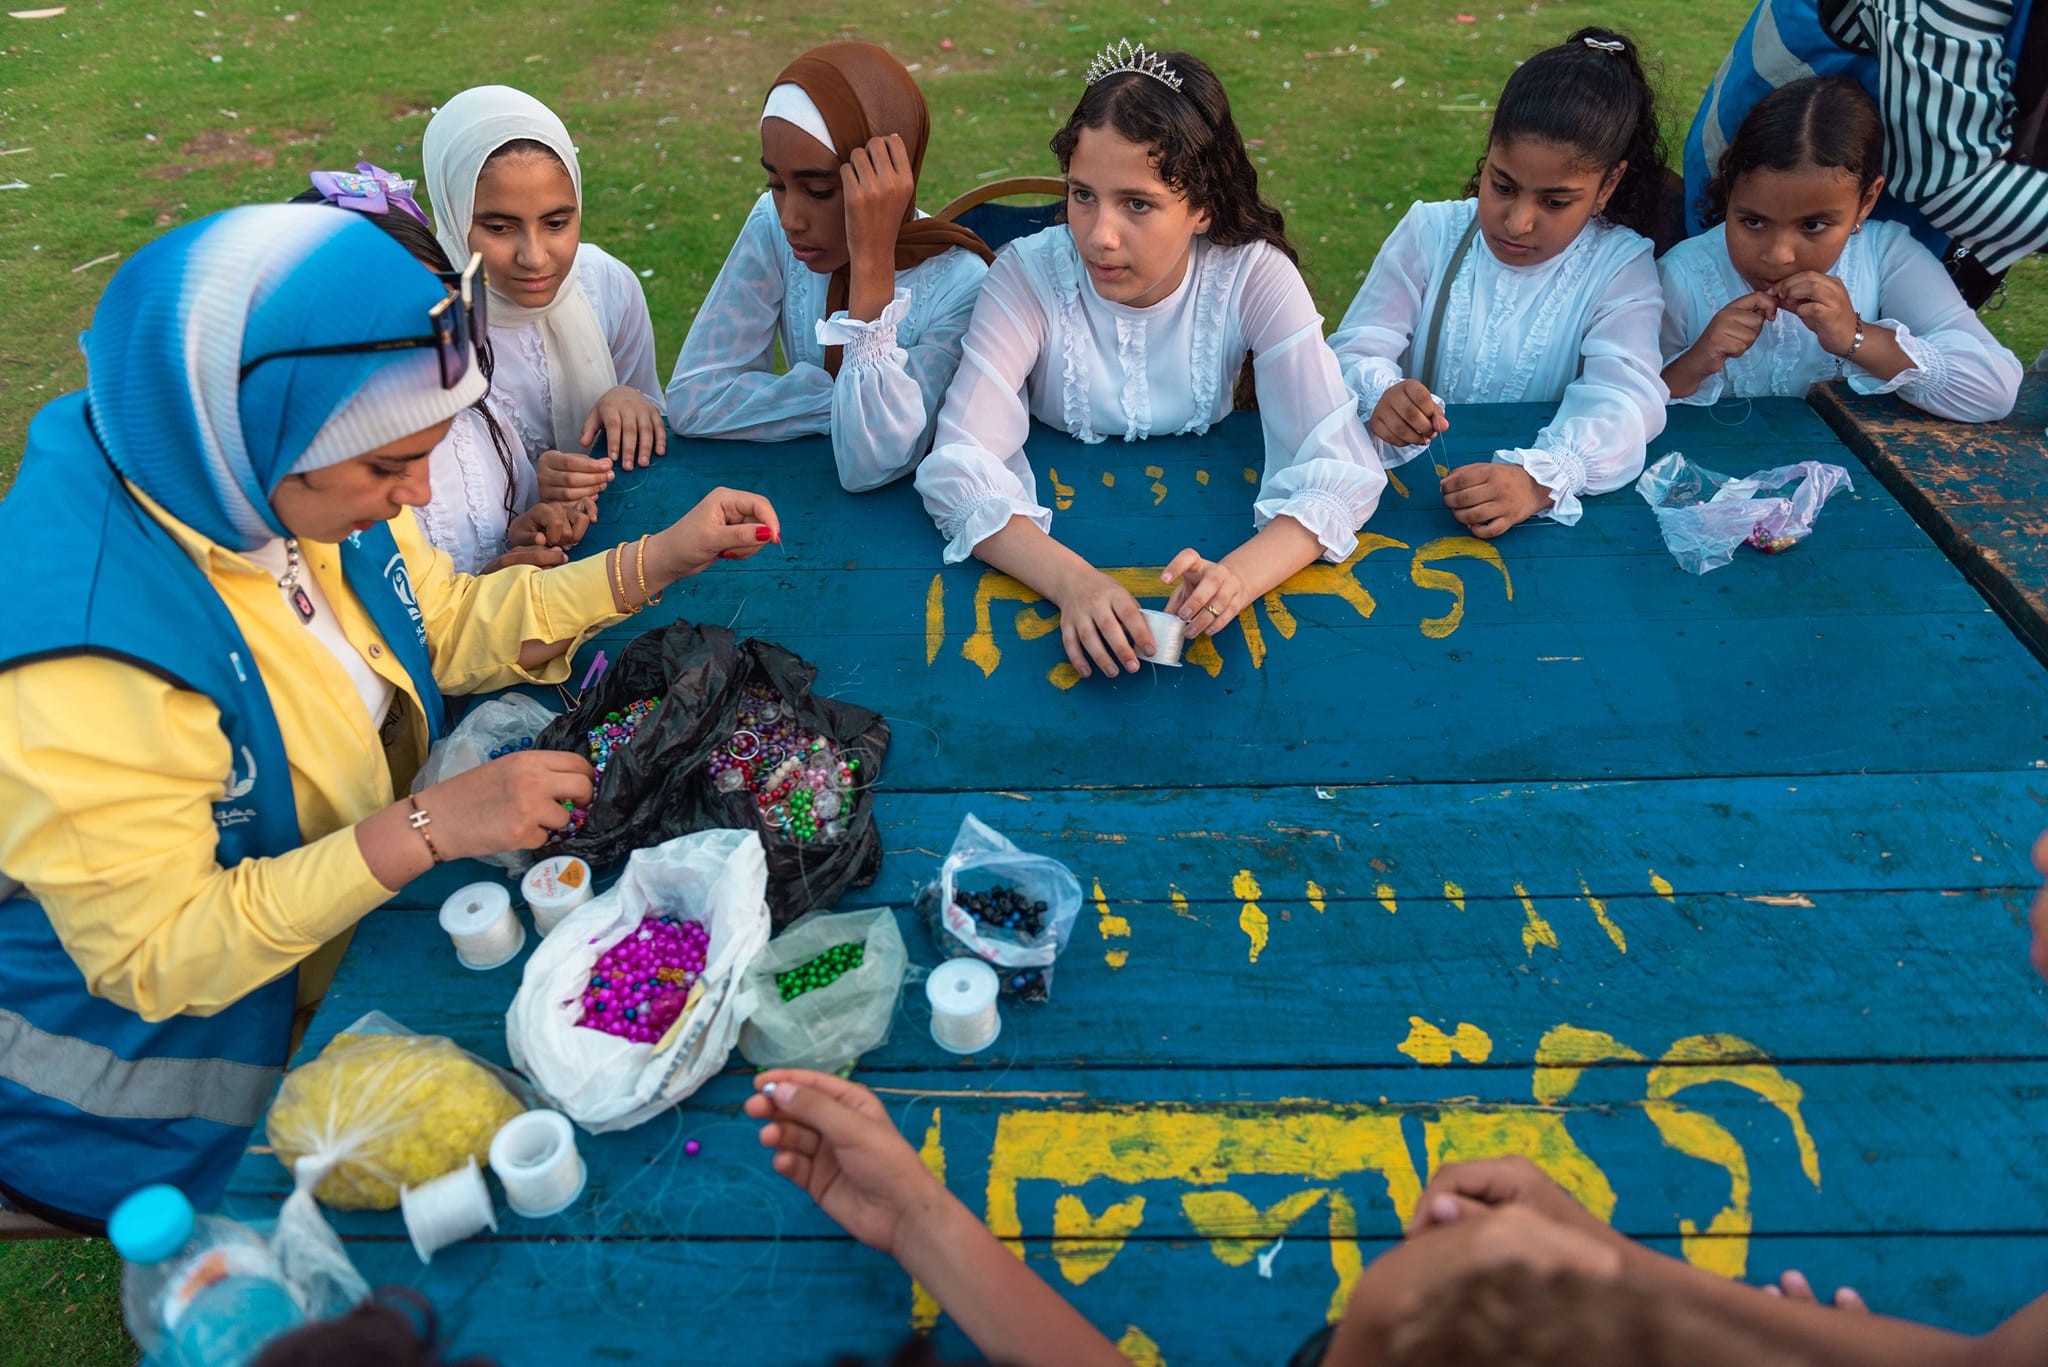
<point x="1706" y="893"/>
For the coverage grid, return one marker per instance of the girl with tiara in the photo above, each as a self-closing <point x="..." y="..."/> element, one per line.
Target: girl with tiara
<point x="1538" y="286"/>
<point x="484" y="511"/>
<point x="867" y="297"/>
<point x="1774" y="298"/>
<point x="569" y="328"/>
<point x="1134" y="317"/>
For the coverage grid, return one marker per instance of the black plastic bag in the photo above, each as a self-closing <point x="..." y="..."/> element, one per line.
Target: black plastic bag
<point x="659" y="784"/>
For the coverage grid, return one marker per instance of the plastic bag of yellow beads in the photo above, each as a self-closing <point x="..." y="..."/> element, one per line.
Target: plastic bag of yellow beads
<point x="382" y="1108"/>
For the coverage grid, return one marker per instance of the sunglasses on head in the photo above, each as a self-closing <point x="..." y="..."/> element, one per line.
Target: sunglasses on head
<point x="459" y="322"/>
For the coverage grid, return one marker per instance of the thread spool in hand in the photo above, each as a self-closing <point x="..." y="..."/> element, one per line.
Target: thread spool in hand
<point x="479" y="919"/>
<point x="535" y="1158"/>
<point x="963" y="997"/>
<point x="1169" y="635"/>
<point x="553" y="888"/>
<point x="447" y="1210"/>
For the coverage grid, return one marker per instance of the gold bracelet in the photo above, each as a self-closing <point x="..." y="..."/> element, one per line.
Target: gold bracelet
<point x="419" y="821"/>
<point x="618" y="555"/>
<point x="640" y="568"/>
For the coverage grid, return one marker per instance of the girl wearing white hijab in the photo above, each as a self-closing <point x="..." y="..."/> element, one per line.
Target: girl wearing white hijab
<point x="569" y="323"/>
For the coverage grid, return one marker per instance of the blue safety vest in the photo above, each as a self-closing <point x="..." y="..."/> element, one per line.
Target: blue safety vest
<point x="94" y="1100"/>
<point x="1785" y="41"/>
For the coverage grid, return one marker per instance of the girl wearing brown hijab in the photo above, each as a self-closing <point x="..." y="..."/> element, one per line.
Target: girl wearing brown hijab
<point x="868" y="297"/>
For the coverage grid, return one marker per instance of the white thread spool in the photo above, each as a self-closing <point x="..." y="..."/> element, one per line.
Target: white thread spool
<point x="535" y="1157"/>
<point x="1169" y="634"/>
<point x="553" y="888"/>
<point x="963" y="997"/>
<point x="479" y="918"/>
<point x="447" y="1210"/>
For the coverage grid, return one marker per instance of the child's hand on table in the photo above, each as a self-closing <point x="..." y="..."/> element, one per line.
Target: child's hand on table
<point x="1101" y="621"/>
<point x="1209" y="593"/>
<point x="635" y="431"/>
<point x="834" y="1139"/>
<point x="1408" y="415"/>
<point x="565" y="476"/>
<point x="1493" y="497"/>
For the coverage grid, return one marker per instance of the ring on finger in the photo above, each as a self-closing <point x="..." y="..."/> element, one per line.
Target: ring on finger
<point x="1211" y="607"/>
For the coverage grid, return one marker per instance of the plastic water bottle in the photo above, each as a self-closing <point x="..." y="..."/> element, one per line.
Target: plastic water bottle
<point x="197" y="1291"/>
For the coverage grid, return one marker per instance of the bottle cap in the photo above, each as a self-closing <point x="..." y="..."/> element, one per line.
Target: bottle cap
<point x="151" y="1224"/>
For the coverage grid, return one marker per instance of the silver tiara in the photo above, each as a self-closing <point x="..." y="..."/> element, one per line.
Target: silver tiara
<point x="1123" y="55"/>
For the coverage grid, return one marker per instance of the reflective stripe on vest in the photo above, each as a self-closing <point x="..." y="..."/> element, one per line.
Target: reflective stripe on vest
<point x="100" y="1082"/>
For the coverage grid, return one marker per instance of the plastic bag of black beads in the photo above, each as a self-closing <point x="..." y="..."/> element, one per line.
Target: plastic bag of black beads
<point x="692" y="730"/>
<point x="999" y="903"/>
<point x="824" y="991"/>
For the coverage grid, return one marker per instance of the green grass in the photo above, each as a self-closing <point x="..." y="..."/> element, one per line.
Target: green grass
<point x="126" y="119"/>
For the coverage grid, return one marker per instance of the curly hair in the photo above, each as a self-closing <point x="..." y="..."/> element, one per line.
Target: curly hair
<point x="1825" y="122"/>
<point x="1196" y="150"/>
<point x="1597" y="101"/>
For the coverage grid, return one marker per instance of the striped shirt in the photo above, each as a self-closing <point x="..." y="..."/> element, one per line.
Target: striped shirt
<point x="1945" y="89"/>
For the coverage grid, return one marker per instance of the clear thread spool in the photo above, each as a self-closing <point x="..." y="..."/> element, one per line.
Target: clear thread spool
<point x="479" y="919"/>
<point x="535" y="1158"/>
<point x="1169" y="635"/>
<point x="447" y="1210"/>
<point x="963" y="997"/>
<point x="553" y="888"/>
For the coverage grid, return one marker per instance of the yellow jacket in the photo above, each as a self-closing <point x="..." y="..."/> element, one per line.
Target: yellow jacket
<point x="108" y="775"/>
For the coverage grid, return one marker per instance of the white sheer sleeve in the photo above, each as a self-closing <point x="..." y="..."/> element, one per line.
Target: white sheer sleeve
<point x="1615" y="408"/>
<point x="1322" y="469"/>
<point x="1959" y="370"/>
<point x="977" y="477"/>
<point x="887" y="396"/>
<point x="1687" y="311"/>
<point x="1381" y="325"/>
<point x="725" y="383"/>
<point x="622" y="308"/>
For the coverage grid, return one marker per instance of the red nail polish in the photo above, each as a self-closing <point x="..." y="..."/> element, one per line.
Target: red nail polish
<point x="762" y="534"/>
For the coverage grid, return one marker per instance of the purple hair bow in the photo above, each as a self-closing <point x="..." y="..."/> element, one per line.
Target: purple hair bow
<point x="369" y="189"/>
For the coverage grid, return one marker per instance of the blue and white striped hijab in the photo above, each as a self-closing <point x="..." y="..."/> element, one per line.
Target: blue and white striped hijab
<point x="184" y="314"/>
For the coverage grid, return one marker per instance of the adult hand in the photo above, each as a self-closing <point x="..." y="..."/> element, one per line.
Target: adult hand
<point x="635" y="432"/>
<point x="1408" y="415"/>
<point x="1732" y="331"/>
<point x="1822" y="303"/>
<point x="728" y="524"/>
<point x="1209" y="594"/>
<point x="513" y="803"/>
<point x="1099" y="622"/>
<point x="1493" y="497"/>
<point x="565" y="476"/>
<point x="834" y="1139"/>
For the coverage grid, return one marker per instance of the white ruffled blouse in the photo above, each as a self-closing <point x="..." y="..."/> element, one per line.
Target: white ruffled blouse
<point x="466" y="514"/>
<point x="892" y="373"/>
<point x="519" y="382"/>
<point x="1043" y="344"/>
<point x="1959" y="369"/>
<point x="1578" y="330"/>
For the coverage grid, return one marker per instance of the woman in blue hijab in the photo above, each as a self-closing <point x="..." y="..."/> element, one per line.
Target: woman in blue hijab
<point x="228" y="662"/>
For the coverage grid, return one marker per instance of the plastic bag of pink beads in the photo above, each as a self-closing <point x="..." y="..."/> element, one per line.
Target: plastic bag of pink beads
<point x="631" y="1003"/>
<point x="692" y="730"/>
<point x="1705" y="517"/>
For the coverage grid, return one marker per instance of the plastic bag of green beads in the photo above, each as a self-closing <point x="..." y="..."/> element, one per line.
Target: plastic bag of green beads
<point x="1002" y="904"/>
<point x="824" y="991"/>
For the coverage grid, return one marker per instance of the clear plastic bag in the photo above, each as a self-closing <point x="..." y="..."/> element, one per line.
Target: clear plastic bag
<point x="980" y="862"/>
<point x="381" y="1108"/>
<point x="825" y="1028"/>
<point x="510" y="721"/>
<point x="1705" y="516"/>
<point x="604" y="1082"/>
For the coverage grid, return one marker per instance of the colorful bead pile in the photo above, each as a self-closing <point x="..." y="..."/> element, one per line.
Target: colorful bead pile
<point x="822" y="971"/>
<point x="1009" y="913"/>
<point x="512" y="749"/>
<point x="640" y="985"/>
<point x="603" y="741"/>
<point x="800" y="782"/>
